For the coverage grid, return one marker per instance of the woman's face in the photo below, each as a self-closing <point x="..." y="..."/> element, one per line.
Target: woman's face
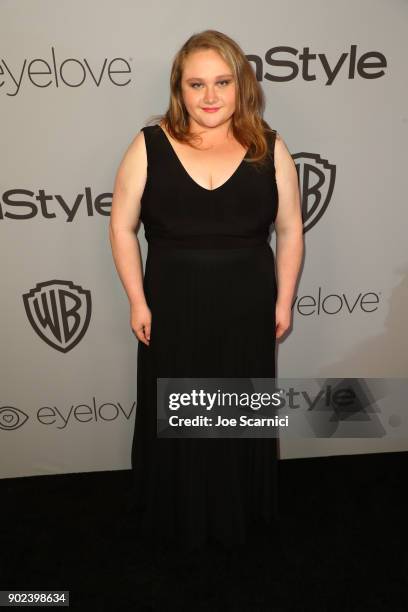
<point x="207" y="82"/>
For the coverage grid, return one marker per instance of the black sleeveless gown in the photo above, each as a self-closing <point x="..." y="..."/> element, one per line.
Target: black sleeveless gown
<point x="210" y="284"/>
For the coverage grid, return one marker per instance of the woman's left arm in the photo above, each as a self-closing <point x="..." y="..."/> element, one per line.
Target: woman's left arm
<point x="289" y="234"/>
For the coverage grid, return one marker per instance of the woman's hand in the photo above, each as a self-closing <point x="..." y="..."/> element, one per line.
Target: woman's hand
<point x="141" y="321"/>
<point x="283" y="316"/>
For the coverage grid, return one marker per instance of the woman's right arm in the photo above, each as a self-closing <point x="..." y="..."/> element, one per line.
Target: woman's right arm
<point x="128" y="190"/>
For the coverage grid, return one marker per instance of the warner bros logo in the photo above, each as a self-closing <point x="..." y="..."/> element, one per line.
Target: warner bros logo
<point x="316" y="185"/>
<point x="59" y="312"/>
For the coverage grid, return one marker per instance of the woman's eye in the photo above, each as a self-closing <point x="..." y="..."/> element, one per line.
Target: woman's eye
<point x="226" y="81"/>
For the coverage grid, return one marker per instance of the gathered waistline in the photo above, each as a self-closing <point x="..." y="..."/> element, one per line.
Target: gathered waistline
<point x="208" y="242"/>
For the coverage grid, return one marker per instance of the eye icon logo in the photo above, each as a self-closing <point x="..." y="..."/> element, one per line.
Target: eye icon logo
<point x="316" y="185"/>
<point x="11" y="418"/>
<point x="59" y="312"/>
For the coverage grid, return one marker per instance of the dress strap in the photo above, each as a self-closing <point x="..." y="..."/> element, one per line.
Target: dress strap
<point x="153" y="144"/>
<point x="271" y="138"/>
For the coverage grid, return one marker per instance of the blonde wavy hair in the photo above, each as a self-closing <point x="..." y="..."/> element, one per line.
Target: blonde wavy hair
<point x="248" y="126"/>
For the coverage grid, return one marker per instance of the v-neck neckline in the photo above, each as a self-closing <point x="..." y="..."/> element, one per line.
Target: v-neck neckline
<point x="229" y="179"/>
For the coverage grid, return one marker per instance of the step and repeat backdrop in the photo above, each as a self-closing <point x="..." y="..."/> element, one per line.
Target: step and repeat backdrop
<point x="77" y="82"/>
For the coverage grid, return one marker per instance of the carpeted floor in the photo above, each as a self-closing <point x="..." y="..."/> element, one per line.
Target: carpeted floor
<point x="344" y="532"/>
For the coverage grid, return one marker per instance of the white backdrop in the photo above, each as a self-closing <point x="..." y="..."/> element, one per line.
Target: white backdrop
<point x="77" y="82"/>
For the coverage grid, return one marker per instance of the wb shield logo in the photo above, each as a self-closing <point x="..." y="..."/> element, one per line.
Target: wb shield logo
<point x="59" y="312"/>
<point x="316" y="185"/>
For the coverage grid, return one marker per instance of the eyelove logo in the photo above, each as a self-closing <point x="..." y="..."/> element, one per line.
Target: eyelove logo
<point x="58" y="72"/>
<point x="359" y="302"/>
<point x="12" y="418"/>
<point x="59" y="312"/>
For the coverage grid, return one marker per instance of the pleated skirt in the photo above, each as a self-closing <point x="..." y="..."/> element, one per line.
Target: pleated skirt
<point x="213" y="315"/>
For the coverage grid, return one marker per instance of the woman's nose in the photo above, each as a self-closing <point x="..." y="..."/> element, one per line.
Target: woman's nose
<point x="210" y="96"/>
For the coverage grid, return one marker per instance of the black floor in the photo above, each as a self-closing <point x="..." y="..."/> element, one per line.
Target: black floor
<point x="345" y="531"/>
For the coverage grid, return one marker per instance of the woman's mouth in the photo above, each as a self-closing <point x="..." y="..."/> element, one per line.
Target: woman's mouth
<point x="210" y="110"/>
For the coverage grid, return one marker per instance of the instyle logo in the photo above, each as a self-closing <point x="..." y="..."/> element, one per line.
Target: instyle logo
<point x="23" y="204"/>
<point x="55" y="71"/>
<point x="316" y="184"/>
<point x="59" y="312"/>
<point x="316" y="66"/>
<point x="358" y="302"/>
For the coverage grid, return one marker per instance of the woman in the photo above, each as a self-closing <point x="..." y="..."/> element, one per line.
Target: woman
<point x="206" y="182"/>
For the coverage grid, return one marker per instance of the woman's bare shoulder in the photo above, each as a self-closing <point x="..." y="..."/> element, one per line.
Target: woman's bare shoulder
<point x="283" y="158"/>
<point x="133" y="166"/>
